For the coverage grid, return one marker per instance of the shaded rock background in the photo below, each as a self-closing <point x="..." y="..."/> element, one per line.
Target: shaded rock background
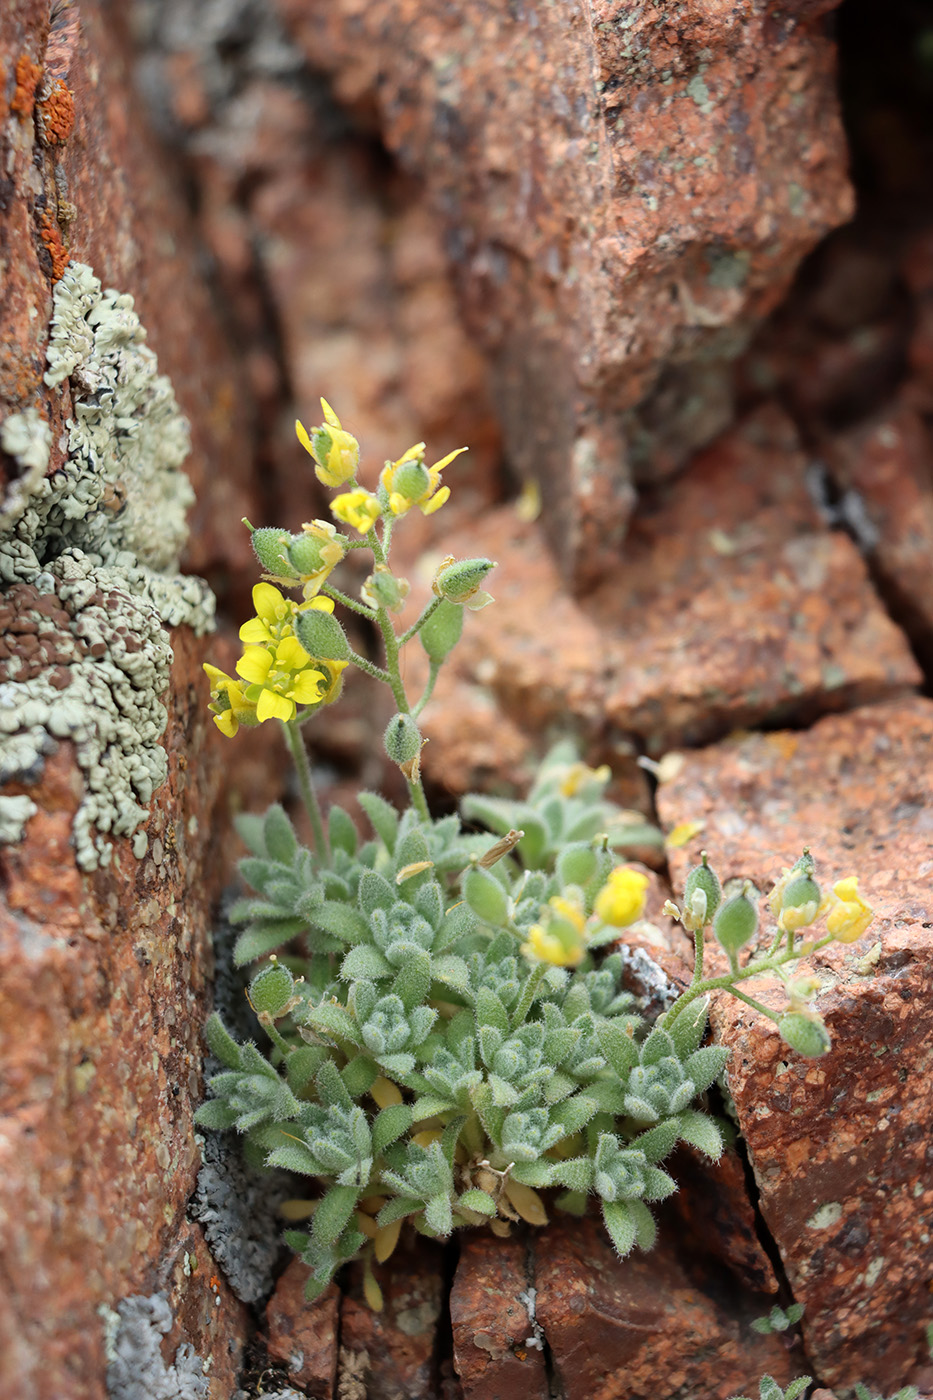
<point x="572" y="245"/>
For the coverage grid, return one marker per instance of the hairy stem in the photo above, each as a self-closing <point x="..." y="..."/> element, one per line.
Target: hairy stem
<point x="306" y="785"/>
<point x="416" y="627"/>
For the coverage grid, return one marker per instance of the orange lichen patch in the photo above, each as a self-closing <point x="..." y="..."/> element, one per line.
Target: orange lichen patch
<point x="27" y="80"/>
<point x="51" y="236"/>
<point x="55" y="115"/>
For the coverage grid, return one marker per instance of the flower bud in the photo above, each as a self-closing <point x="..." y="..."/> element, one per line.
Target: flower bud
<point x="411" y="479"/>
<point x="485" y="896"/>
<point x="702" y="895"/>
<point x="336" y="452"/>
<point x="459" y="580"/>
<point x="305" y="552"/>
<point x="804" y="1033"/>
<point x="800" y="902"/>
<point x="271" y="549"/>
<point x="271" y="990"/>
<point x="622" y="899"/>
<point x="402" y="739"/>
<point x="736" y="921"/>
<point x="441" y="633"/>
<point x="321" y="635"/>
<point x="577" y="864"/>
<point x="384" y="590"/>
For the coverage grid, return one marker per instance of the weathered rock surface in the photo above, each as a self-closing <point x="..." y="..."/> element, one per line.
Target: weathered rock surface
<point x="394" y="1351"/>
<point x="302" y="1335"/>
<point x="497" y="1354"/>
<point x="839" y="1145"/>
<point x="625" y="195"/>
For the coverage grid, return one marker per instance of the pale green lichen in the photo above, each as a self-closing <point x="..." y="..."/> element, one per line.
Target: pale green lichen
<point x="101" y="538"/>
<point x="27" y="438"/>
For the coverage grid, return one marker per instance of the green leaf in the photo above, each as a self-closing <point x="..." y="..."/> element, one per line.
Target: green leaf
<point x="389" y="1125"/>
<point x="704" y="1065"/>
<point x="413" y="981"/>
<point x="656" y="1047"/>
<point x="769" y="1389"/>
<point x="331" y="1088"/>
<point x="620" y="1049"/>
<point x="576" y="1173"/>
<point x="688" y="1030"/>
<point x="646" y="1230"/>
<point x="479" y="1201"/>
<point x="279" y="835"/>
<point x="659" y="1142"/>
<point x="658" y="1185"/>
<point x="375" y="892"/>
<point x="382" y="815"/>
<point x="701" y="1132"/>
<point x="221" y="1043"/>
<point x="334" y="1021"/>
<point x="249" y="828"/>
<point x="451" y="971"/>
<point x="620" y="1223"/>
<point x="343" y="920"/>
<point x="397" y="1209"/>
<point x="341" y="831"/>
<point x="573" y="1114"/>
<point x="428" y="1106"/>
<point x="798" y="1386"/>
<point x="215" y="1113"/>
<point x="537" y="1174"/>
<point x="365" y="964"/>
<point x="438" y="1214"/>
<point x="294" y="1157"/>
<point x="490" y="1011"/>
<point x="359" y="1075"/>
<point x="262" y="938"/>
<point x="333" y="1213"/>
<point x="302" y="1065"/>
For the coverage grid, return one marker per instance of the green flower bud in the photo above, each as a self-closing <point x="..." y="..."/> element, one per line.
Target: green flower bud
<point x="460" y="580"/>
<point x="485" y="896"/>
<point x="271" y="990"/>
<point x="385" y="590"/>
<point x="402" y="739"/>
<point x="804" y="1033"/>
<point x="736" y="921"/>
<point x="321" y="635"/>
<point x="336" y="454"/>
<point x="702" y="880"/>
<point x="271" y="549"/>
<point x="305" y="553"/>
<point x="577" y="864"/>
<point x="800" y="902"/>
<point x="441" y="633"/>
<point x="411" y="479"/>
<point x="805" y="863"/>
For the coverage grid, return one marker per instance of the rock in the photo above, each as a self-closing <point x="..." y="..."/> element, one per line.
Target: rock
<point x="392" y="1353"/>
<point x="303" y="1335"/>
<point x="610" y="265"/>
<point x="837" y="1145"/>
<point x="649" y="1318"/>
<point x="732" y="606"/>
<point x="883" y="471"/>
<point x="496" y="1352"/>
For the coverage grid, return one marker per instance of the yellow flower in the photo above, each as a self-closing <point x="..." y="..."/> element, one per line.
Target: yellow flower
<point x="408" y="482"/>
<point x="850" y="917"/>
<point x="336" y="452"/>
<point x="559" y="939"/>
<point x="229" y="704"/>
<point x="279" y="679"/>
<point x="357" y="508"/>
<point x="578" y="777"/>
<point x="275" y="615"/>
<point x="622" y="899"/>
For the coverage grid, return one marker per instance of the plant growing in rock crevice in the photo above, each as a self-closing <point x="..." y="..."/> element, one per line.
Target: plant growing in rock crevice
<point x="449" y="1031"/>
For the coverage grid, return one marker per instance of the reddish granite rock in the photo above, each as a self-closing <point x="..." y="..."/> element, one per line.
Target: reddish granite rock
<point x="303" y="1335"/>
<point x="103" y="999"/>
<point x="731" y="606"/>
<point x="395" y="1349"/>
<point x="884" y="468"/>
<point x="666" y="1330"/>
<point x="838" y="1145"/>
<point x="714" y="1209"/>
<point x="496" y="1353"/>
<point x="624" y="193"/>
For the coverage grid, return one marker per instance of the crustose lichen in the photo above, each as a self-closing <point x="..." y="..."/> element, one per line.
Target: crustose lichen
<point x="87" y="585"/>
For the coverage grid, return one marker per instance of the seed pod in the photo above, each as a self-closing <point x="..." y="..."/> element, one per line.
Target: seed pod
<point x="321" y="635"/>
<point x="271" y="990"/>
<point x="736" y="921"/>
<point x="804" y="1033"/>
<point x="271" y="549"/>
<point x="703" y="877"/>
<point x="460" y="580"/>
<point x="402" y="739"/>
<point x="800" y="902"/>
<point x="485" y="896"/>
<point x="441" y="633"/>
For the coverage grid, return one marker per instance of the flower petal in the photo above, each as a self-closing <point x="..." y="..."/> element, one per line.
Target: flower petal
<point x="227" y="723"/>
<point x="272" y="706"/>
<point x="255" y="664"/>
<point x="302" y="435"/>
<point x="290" y="655"/>
<point x="330" y="416"/>
<point x="268" y="602"/>
<point x="306" y="688"/>
<point x="255" y="632"/>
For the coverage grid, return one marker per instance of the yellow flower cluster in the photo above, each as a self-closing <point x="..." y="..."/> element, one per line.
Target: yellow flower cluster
<point x="561" y="938"/>
<point x="408" y="482"/>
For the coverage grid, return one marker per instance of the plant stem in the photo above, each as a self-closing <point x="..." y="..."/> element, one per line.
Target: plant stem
<point x="769" y="963"/>
<point x="371" y="670"/>
<point x="698" y="950"/>
<point x="340" y="597"/>
<point x="417" y="626"/>
<point x="306" y="784"/>
<point x="433" y="674"/>
<point x="528" y="995"/>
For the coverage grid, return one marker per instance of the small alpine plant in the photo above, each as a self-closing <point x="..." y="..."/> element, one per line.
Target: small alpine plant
<point x="448" y="1031"/>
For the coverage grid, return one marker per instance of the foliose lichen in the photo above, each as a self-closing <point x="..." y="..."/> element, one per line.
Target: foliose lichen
<point x="89" y="569"/>
<point x="135" y="1368"/>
